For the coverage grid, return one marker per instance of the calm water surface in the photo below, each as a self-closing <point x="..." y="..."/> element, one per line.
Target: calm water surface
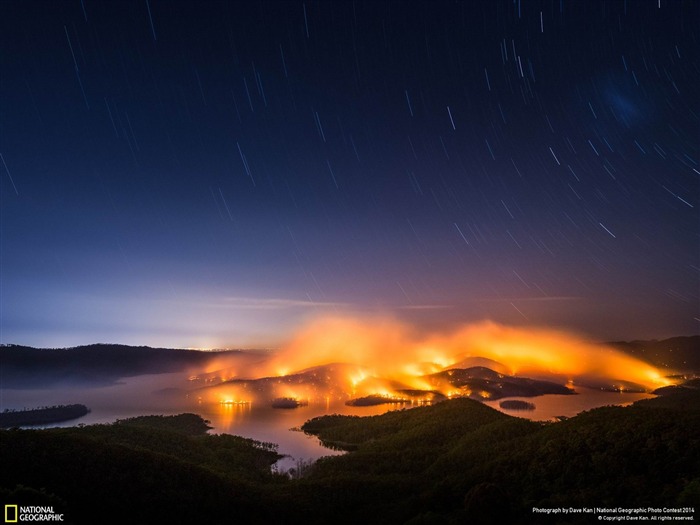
<point x="550" y="406"/>
<point x="138" y="396"/>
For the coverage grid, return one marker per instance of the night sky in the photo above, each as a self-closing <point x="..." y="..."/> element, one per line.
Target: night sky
<point x="212" y="174"/>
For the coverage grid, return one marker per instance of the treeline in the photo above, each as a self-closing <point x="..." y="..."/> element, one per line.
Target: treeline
<point x="41" y="416"/>
<point x="146" y="470"/>
<point x="455" y="462"/>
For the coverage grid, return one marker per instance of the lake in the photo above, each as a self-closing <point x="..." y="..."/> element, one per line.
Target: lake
<point x="137" y="396"/>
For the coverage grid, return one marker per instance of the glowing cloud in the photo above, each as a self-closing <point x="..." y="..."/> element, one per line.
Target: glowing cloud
<point x="384" y="357"/>
<point x="389" y="349"/>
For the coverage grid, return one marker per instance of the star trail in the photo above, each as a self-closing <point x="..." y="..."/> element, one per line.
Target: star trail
<point x="213" y="174"/>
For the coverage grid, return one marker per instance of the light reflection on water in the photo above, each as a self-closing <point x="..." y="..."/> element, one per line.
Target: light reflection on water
<point x="262" y="422"/>
<point x="136" y="396"/>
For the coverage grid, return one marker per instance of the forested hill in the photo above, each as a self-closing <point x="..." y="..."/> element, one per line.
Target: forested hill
<point x="678" y="354"/>
<point x="455" y="462"/>
<point x="150" y="469"/>
<point x="24" y="366"/>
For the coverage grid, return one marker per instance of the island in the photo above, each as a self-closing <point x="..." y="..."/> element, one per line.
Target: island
<point x="288" y="402"/>
<point x="375" y="399"/>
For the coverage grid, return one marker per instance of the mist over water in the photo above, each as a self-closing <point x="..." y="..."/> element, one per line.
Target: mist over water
<point x="136" y="396"/>
<point x="377" y="357"/>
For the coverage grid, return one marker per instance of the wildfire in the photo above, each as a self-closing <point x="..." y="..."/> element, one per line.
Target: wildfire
<point x="350" y="358"/>
<point x="234" y="402"/>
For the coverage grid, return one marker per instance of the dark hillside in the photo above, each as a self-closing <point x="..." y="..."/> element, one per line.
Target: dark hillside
<point x="27" y="367"/>
<point x="677" y="354"/>
<point x="450" y="462"/>
<point x="135" y="472"/>
<point x="455" y="462"/>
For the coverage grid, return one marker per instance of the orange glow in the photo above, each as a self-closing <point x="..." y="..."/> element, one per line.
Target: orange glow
<point x="386" y="358"/>
<point x="389" y="347"/>
<point x="230" y="412"/>
<point x="227" y="395"/>
<point x="234" y="402"/>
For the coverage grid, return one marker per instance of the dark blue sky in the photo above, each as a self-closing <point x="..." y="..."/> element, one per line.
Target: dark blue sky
<point x="212" y="173"/>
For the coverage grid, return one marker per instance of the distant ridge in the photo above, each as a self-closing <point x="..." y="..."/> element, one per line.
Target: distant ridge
<point x="28" y="367"/>
<point x="677" y="354"/>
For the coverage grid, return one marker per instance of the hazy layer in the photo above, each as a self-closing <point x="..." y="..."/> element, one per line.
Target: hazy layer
<point x="380" y="356"/>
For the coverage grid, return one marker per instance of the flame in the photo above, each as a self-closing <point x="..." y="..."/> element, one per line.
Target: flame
<point x="392" y="350"/>
<point x="385" y="358"/>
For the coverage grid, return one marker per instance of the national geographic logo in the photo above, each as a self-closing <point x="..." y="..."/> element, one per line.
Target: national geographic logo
<point x="15" y="514"/>
<point x="10" y="513"/>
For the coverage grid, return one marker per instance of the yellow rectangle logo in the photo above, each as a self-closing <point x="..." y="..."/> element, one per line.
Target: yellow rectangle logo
<point x="11" y="513"/>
